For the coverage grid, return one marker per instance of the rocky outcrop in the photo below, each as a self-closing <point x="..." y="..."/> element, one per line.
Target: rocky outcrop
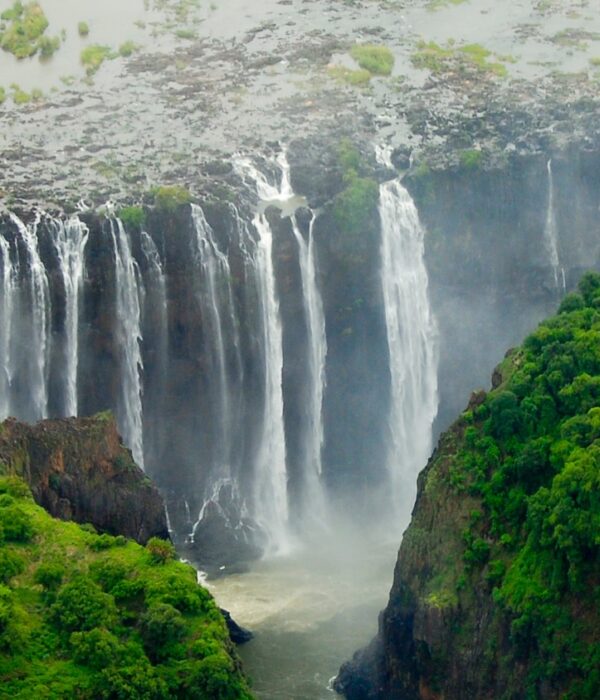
<point x="78" y="469"/>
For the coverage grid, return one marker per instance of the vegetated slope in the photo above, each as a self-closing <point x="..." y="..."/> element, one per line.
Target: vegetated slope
<point x="84" y="615"/>
<point x="496" y="591"/>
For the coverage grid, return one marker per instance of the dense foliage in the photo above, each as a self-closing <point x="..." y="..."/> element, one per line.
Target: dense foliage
<point x="531" y="454"/>
<point x="93" y="616"/>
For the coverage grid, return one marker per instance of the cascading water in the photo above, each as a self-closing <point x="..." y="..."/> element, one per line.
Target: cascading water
<point x="270" y="478"/>
<point x="412" y="342"/>
<point x="33" y="341"/>
<point x="551" y="234"/>
<point x="70" y="238"/>
<point x="272" y="449"/>
<point x="216" y="301"/>
<point x="313" y="496"/>
<point x="6" y="313"/>
<point x="129" y="408"/>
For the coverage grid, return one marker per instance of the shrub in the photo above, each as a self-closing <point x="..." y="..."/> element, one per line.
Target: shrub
<point x="108" y="573"/>
<point x="11" y="564"/>
<point x="48" y="45"/>
<point x="27" y="23"/>
<point x="132" y="217"/>
<point x="83" y="28"/>
<point x="160" y="551"/>
<point x="16" y="523"/>
<point x="93" y="56"/>
<point x="127" y="48"/>
<point x="100" y="542"/>
<point x="354" y="206"/>
<point x="169" y="197"/>
<point x="378" y="60"/>
<point x="182" y="592"/>
<point x="6" y="601"/>
<point x="49" y="576"/>
<point x="97" y="648"/>
<point x="138" y="682"/>
<point x="82" y="605"/>
<point x="15" y="487"/>
<point x="161" y="627"/>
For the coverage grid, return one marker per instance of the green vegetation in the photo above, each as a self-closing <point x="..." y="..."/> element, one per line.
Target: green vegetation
<point x="350" y="77"/>
<point x="79" y="620"/>
<point x="354" y="205"/>
<point x="574" y="38"/>
<point x="127" y="49"/>
<point x="457" y="59"/>
<point x="23" y="35"/>
<point x="132" y="217"/>
<point x="530" y="455"/>
<point x="169" y="197"/>
<point x="48" y="46"/>
<point x="2" y="95"/>
<point x="378" y="60"/>
<point x="83" y="28"/>
<point x="435" y="5"/>
<point x="471" y="159"/>
<point x="94" y="55"/>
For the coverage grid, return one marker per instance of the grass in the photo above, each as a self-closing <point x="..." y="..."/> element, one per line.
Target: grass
<point x="25" y="27"/>
<point x="435" y="5"/>
<point x="94" y="55"/>
<point x="378" y="60"/>
<point x="127" y="49"/>
<point x="349" y="76"/>
<point x="468" y="57"/>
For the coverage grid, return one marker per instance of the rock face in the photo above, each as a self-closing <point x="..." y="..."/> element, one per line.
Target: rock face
<point x="78" y="469"/>
<point x="495" y="587"/>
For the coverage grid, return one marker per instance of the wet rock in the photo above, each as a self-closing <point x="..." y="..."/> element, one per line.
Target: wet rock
<point x="237" y="634"/>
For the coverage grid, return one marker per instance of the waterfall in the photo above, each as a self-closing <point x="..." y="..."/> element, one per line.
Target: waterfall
<point x="551" y="234"/>
<point x="412" y="342"/>
<point x="270" y="487"/>
<point x="156" y="332"/>
<point x="128" y="333"/>
<point x="317" y="353"/>
<point x="214" y="276"/>
<point x="9" y="281"/>
<point x="69" y="239"/>
<point x="34" y="343"/>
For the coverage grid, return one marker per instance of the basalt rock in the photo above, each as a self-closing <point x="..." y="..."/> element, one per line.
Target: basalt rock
<point x="78" y="469"/>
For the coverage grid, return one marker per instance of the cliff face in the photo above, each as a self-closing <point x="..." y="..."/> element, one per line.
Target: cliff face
<point x="487" y="252"/>
<point x="78" y="469"/>
<point x="495" y="588"/>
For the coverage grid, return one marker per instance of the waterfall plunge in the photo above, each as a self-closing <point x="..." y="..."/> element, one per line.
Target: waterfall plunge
<point x="129" y="337"/>
<point x="70" y="238"/>
<point x="551" y="235"/>
<point x="412" y="343"/>
<point x="33" y="342"/>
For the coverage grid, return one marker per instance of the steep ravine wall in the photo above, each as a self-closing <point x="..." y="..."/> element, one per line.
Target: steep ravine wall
<point x="490" y="275"/>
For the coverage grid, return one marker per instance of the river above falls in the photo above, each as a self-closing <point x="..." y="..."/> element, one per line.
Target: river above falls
<point x="309" y="610"/>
